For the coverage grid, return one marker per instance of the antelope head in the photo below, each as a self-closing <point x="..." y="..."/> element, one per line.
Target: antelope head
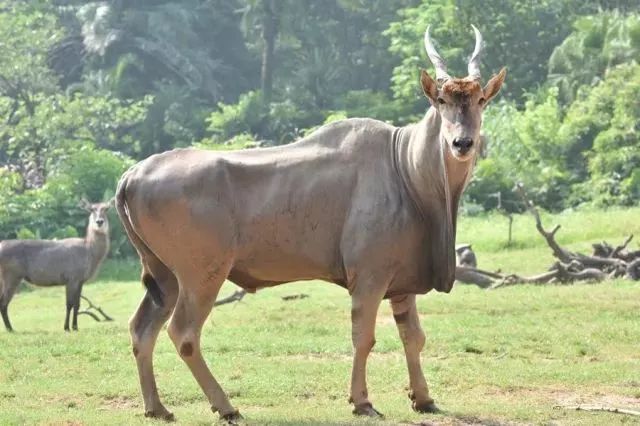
<point x="98" y="220"/>
<point x="460" y="101"/>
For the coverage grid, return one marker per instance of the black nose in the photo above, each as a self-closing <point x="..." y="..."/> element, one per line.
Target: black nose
<point x="100" y="222"/>
<point x="463" y="145"/>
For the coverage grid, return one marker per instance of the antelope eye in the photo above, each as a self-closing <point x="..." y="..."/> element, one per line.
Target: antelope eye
<point x="441" y="101"/>
<point x="482" y="101"/>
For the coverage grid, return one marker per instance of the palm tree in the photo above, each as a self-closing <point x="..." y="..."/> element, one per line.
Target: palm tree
<point x="195" y="44"/>
<point x="597" y="44"/>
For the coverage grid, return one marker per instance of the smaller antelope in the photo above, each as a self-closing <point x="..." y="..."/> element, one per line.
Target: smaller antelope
<point x="71" y="261"/>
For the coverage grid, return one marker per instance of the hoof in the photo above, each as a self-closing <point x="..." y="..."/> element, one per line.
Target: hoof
<point x="429" y="407"/>
<point x="367" y="409"/>
<point x="163" y="414"/>
<point x="424" y="406"/>
<point x="232" y="419"/>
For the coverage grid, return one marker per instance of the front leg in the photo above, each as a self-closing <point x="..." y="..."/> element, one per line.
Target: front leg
<point x="365" y="303"/>
<point x="76" y="306"/>
<point x="405" y="314"/>
<point x="73" y="303"/>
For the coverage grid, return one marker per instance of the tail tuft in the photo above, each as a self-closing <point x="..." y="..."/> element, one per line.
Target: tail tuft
<point x="153" y="289"/>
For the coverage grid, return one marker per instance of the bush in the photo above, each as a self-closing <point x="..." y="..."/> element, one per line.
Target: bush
<point x="241" y="141"/>
<point x="232" y="119"/>
<point x="367" y="103"/>
<point x="523" y="147"/>
<point x="52" y="211"/>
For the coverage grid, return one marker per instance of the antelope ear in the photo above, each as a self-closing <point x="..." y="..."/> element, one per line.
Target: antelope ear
<point x="84" y="204"/>
<point x="429" y="87"/>
<point x="493" y="85"/>
<point x="111" y="202"/>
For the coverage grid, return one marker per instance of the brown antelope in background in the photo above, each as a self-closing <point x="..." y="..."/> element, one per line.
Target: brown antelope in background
<point x="70" y="262"/>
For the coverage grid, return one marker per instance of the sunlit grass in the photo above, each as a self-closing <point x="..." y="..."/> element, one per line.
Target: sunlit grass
<point x="507" y="355"/>
<point x="529" y="252"/>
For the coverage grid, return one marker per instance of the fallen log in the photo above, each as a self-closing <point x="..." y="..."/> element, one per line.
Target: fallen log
<point x="606" y="261"/>
<point x="470" y="275"/>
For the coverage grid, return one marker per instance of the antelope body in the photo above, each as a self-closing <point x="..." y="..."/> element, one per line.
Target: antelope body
<point x="359" y="203"/>
<point x="70" y="262"/>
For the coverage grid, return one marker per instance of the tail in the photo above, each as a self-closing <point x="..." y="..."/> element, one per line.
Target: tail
<point x="141" y="247"/>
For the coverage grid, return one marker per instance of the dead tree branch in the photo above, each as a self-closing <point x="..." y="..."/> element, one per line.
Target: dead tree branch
<point x="616" y="252"/>
<point x="236" y="296"/>
<point x="560" y="253"/>
<point x="88" y="311"/>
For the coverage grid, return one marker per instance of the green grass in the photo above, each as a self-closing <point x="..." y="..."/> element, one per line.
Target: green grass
<point x="529" y="253"/>
<point x="508" y="355"/>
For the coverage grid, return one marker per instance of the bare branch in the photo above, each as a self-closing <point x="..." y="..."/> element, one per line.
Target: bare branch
<point x="562" y="254"/>
<point x="97" y="308"/>
<point x="236" y="296"/>
<point x="621" y="247"/>
<point x="91" y="314"/>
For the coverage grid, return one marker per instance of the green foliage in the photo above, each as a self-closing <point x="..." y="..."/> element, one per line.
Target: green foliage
<point x="240" y="141"/>
<point x="509" y="28"/>
<point x="327" y="48"/>
<point x="90" y="172"/>
<point x="586" y="154"/>
<point x="87" y="86"/>
<point x="51" y="211"/>
<point x="277" y="122"/>
<point x="523" y="147"/>
<point x="378" y="105"/>
<point x="601" y="129"/>
<point x="26" y="33"/>
<point x="232" y="119"/>
<point x="52" y="126"/>
<point x="597" y="44"/>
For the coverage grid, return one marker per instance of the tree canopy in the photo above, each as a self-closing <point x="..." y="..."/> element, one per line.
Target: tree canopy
<point x="86" y="88"/>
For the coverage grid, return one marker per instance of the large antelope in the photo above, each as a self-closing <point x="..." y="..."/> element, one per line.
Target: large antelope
<point x="359" y="203"/>
<point x="70" y="262"/>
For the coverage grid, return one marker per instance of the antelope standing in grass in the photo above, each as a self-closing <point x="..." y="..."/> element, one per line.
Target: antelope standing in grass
<point x="70" y="262"/>
<point x="360" y="203"/>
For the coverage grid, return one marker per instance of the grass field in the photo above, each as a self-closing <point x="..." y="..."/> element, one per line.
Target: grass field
<point x="492" y="357"/>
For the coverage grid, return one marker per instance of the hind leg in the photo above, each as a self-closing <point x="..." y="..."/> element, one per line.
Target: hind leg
<point x="8" y="288"/>
<point x="73" y="290"/>
<point x="76" y="307"/>
<point x="197" y="295"/>
<point x="145" y="326"/>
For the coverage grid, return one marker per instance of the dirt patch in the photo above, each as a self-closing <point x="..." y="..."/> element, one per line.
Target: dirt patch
<point x="462" y="421"/>
<point x="559" y="398"/>
<point x="600" y="400"/>
<point x="119" y="402"/>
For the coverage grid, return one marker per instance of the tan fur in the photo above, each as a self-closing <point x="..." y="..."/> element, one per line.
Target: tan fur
<point x="462" y="88"/>
<point x="359" y="203"/>
<point x="494" y="84"/>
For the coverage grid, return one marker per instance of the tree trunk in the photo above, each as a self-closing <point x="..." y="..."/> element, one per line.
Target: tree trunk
<point x="269" y="35"/>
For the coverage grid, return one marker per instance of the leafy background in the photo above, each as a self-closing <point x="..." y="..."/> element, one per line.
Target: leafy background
<point x="88" y="88"/>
